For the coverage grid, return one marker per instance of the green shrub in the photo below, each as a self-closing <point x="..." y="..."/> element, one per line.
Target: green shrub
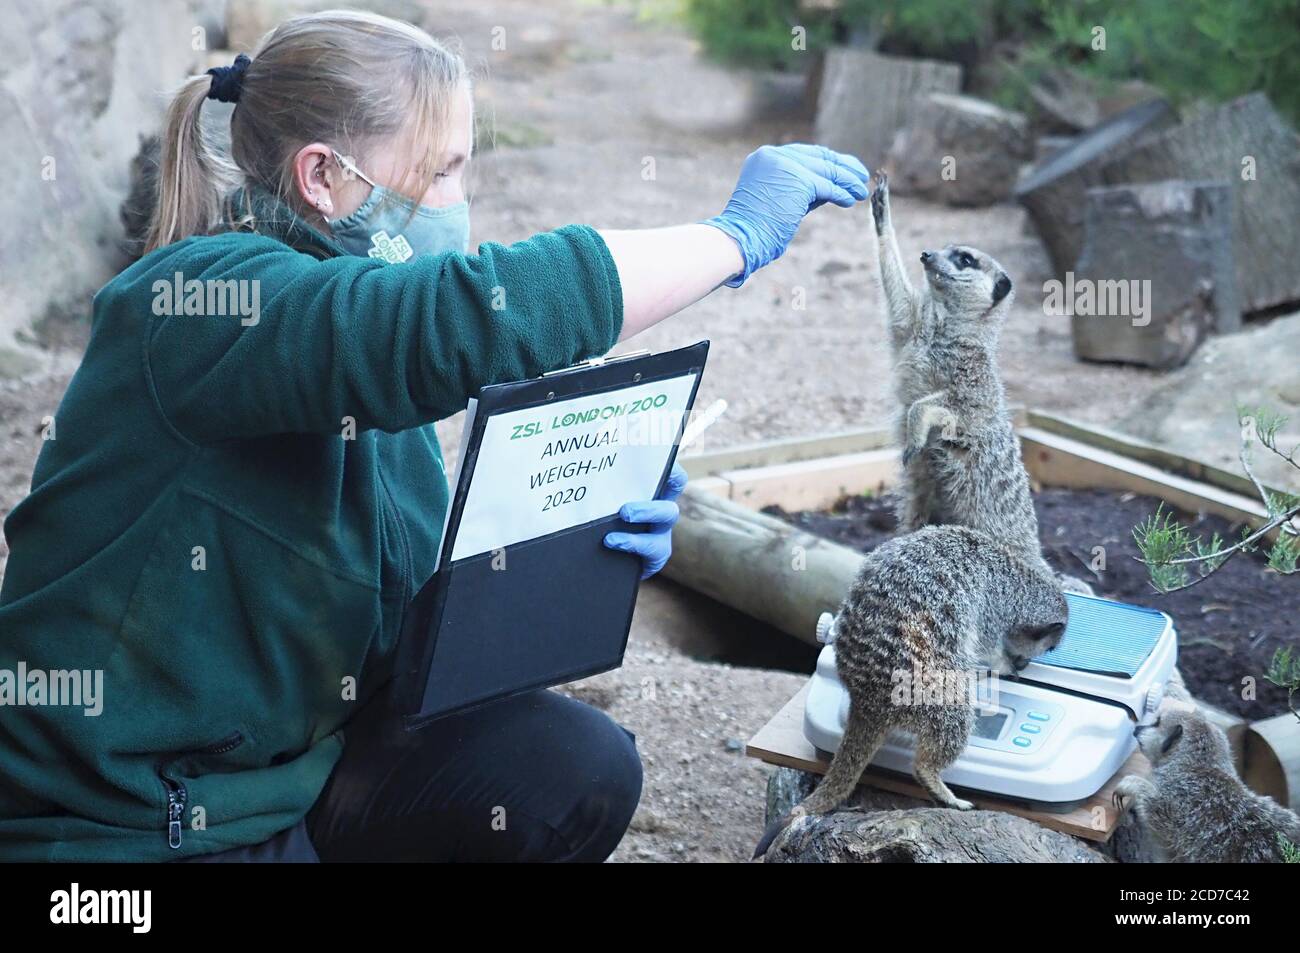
<point x="1191" y="49"/>
<point x="757" y="33"/>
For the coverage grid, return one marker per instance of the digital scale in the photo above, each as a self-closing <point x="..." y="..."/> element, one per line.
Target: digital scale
<point x="1051" y="735"/>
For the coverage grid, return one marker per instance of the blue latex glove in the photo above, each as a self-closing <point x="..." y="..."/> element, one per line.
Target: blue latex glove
<point x="654" y="545"/>
<point x="778" y="186"/>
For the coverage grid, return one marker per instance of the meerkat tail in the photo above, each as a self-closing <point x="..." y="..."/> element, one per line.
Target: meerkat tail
<point x="859" y="744"/>
<point x="857" y="748"/>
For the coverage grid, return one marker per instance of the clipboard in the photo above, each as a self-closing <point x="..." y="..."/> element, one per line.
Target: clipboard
<point x="540" y="610"/>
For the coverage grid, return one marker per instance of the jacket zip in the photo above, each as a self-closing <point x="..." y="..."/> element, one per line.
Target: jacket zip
<point x="176" y="795"/>
<point x="176" y="792"/>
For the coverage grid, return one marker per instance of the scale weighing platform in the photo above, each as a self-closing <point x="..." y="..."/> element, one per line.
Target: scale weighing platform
<point x="1054" y="734"/>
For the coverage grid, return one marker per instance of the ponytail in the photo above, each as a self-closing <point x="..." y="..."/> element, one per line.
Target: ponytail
<point x="194" y="177"/>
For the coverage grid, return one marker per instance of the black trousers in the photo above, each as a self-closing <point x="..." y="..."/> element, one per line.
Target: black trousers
<point x="537" y="777"/>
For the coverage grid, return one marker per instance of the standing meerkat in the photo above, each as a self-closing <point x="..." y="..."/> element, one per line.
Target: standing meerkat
<point x="1195" y="809"/>
<point x="942" y="601"/>
<point x="961" y="457"/>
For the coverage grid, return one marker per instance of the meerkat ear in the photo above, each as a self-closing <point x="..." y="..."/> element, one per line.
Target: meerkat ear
<point x="1172" y="739"/>
<point x="1049" y="631"/>
<point x="1002" y="288"/>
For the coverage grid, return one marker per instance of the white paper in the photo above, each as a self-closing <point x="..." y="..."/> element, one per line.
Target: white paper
<point x="568" y="462"/>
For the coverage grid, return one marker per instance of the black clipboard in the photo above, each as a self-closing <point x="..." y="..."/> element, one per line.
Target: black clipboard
<point x="563" y="608"/>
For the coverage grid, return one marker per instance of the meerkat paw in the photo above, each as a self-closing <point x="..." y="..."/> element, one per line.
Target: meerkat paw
<point x="1127" y="792"/>
<point x="918" y="441"/>
<point x="880" y="201"/>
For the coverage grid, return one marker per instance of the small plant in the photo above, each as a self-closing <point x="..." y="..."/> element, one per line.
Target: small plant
<point x="1290" y="853"/>
<point x="1178" y="559"/>
<point x="1284" y="672"/>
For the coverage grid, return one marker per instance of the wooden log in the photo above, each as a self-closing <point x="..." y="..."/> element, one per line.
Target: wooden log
<point x="867" y="97"/>
<point x="880" y="827"/>
<point x="759" y="564"/>
<point x="1248" y="144"/>
<point x="1157" y="267"/>
<point x="787" y="786"/>
<point x="1273" y="759"/>
<point x="1234" y="726"/>
<point x="1054" y="192"/>
<point x="959" y="150"/>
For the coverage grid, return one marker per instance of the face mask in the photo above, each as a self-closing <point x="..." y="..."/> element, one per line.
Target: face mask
<point x="385" y="227"/>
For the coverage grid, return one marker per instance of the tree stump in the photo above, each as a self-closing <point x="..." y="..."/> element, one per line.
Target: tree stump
<point x="786" y="787"/>
<point x="1054" y="193"/>
<point x="867" y="97"/>
<point x="1065" y="100"/>
<point x="1247" y="144"/>
<point x="880" y="827"/>
<point x="959" y="150"/>
<point x="1157" y="263"/>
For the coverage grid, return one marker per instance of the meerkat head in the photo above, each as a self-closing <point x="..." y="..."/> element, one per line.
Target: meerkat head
<point x="967" y="284"/>
<point x="1024" y="644"/>
<point x="1042" y="615"/>
<point x="1182" y="731"/>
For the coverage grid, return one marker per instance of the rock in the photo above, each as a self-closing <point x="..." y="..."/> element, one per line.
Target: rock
<point x="1247" y="144"/>
<point x="1167" y="248"/>
<point x="1054" y="193"/>
<point x="88" y="78"/>
<point x="959" y="150"/>
<point x="1197" y="415"/>
<point x="867" y="97"/>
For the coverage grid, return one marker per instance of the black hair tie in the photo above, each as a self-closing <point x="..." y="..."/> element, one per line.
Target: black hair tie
<point x="227" y="81"/>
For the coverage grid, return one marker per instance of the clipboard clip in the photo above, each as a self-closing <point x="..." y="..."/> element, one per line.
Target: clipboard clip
<point x="597" y="362"/>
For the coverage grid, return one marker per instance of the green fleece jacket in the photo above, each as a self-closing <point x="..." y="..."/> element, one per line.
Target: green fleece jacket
<point x="233" y="514"/>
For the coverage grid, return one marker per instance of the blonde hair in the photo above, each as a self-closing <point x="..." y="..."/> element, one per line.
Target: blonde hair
<point x="347" y="79"/>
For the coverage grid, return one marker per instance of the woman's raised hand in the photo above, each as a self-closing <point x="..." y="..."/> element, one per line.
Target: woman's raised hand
<point x="778" y="186"/>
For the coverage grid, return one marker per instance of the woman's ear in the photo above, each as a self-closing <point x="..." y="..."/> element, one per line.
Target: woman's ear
<point x="316" y="179"/>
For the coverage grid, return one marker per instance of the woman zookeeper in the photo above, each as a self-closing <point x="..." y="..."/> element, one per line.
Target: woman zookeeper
<point x="204" y="535"/>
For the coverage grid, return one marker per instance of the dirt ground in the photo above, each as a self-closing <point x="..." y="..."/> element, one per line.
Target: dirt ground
<point x="582" y="103"/>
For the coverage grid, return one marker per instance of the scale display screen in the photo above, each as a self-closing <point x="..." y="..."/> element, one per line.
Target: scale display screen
<point x="989" y="726"/>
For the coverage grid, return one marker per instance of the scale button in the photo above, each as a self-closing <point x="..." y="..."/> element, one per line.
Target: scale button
<point x="1031" y="729"/>
<point x="1039" y="716"/>
<point x="1021" y="742"/>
